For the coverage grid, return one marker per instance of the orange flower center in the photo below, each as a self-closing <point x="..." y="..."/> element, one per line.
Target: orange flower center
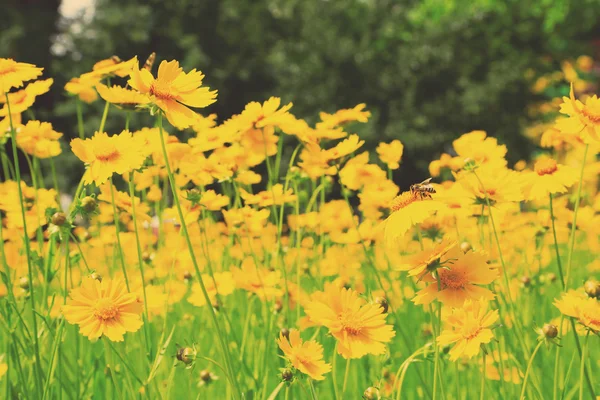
<point x="473" y="334"/>
<point x="105" y="309"/>
<point x="108" y="156"/>
<point x="402" y="201"/>
<point x="592" y="113"/>
<point x="451" y="280"/>
<point x="349" y="324"/>
<point x="545" y="167"/>
<point x="161" y="90"/>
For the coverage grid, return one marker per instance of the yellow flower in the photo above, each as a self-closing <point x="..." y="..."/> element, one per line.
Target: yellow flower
<point x="211" y="200"/>
<point x="23" y="99"/>
<point x="484" y="150"/>
<point x="306" y="357"/>
<point x="391" y="153"/>
<point x="583" y="118"/>
<point x="270" y="197"/>
<point x="468" y="328"/>
<point x="248" y="177"/>
<point x="498" y="184"/>
<point x="343" y="116"/>
<point x="224" y="286"/>
<point x="459" y="279"/>
<point x="344" y="148"/>
<point x="121" y="96"/>
<point x="357" y="172"/>
<point x="359" y="327"/>
<point x="39" y="139"/>
<point x="109" y="67"/>
<point x="407" y="210"/>
<point x="586" y="310"/>
<point x="104" y="308"/>
<point x="105" y="155"/>
<point x="260" y="281"/>
<point x="3" y="369"/>
<point x="427" y="260"/>
<point x="84" y="88"/>
<point x="13" y="74"/>
<point x="173" y="91"/>
<point x="548" y="178"/>
<point x="258" y="116"/>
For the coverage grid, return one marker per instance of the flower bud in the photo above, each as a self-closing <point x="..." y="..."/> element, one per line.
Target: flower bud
<point x="96" y="276"/>
<point x="89" y="204"/>
<point x="24" y="283"/>
<point x="287" y="375"/>
<point x="59" y="218"/>
<point x="206" y="376"/>
<point x="526" y="281"/>
<point x="186" y="355"/>
<point x="550" y="331"/>
<point x="372" y="393"/>
<point x="285" y="332"/>
<point x="465" y="246"/>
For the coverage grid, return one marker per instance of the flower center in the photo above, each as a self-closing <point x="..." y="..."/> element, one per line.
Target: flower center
<point x="545" y="167"/>
<point x="108" y="156"/>
<point x="161" y="90"/>
<point x="349" y="324"/>
<point x="105" y="309"/>
<point x="592" y="110"/>
<point x="451" y="279"/>
<point x="473" y="333"/>
<point x="402" y="201"/>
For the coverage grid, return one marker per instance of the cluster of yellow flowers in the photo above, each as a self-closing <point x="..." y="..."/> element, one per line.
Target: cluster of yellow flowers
<point x="194" y="227"/>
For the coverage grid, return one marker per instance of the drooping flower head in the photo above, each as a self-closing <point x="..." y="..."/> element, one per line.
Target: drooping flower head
<point x="359" y="327"/>
<point x="105" y="155"/>
<point x="305" y="356"/>
<point x="104" y="308"/>
<point x="173" y="91"/>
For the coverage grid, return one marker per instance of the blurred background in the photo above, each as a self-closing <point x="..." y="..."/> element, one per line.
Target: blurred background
<point x="428" y="70"/>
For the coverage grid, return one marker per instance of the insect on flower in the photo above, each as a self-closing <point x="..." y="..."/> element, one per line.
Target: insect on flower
<point x="423" y="189"/>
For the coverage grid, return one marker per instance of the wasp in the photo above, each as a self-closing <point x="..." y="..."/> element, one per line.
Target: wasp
<point x="423" y="190"/>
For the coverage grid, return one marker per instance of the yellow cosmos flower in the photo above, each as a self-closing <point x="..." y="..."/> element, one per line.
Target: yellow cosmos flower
<point x="358" y="172"/>
<point x="549" y="178"/>
<point x="407" y="210"/>
<point x="256" y="115"/>
<point x="104" y="308"/>
<point x="260" y="281"/>
<point x="105" y="155"/>
<point x="498" y="184"/>
<point x="583" y="118"/>
<point x="83" y="88"/>
<point x="213" y="201"/>
<point x="477" y="146"/>
<point x="468" y="328"/>
<point x="359" y="327"/>
<point x="224" y="286"/>
<point x="112" y="66"/>
<point x="270" y="197"/>
<point x="459" y="279"/>
<point x="586" y="310"/>
<point x="13" y="74"/>
<point x="343" y="116"/>
<point x="391" y="153"/>
<point x="306" y="357"/>
<point x="173" y="91"/>
<point x="248" y="177"/>
<point x="39" y="139"/>
<point x="23" y="99"/>
<point x="427" y="260"/>
<point x="344" y="148"/>
<point x="121" y="96"/>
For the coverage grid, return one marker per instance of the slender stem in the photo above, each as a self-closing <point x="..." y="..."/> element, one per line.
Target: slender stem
<point x="574" y="224"/>
<point x="220" y="334"/>
<point x="37" y="365"/>
<point x="482" y="389"/>
<point x="558" y="261"/>
<point x="313" y="393"/>
<point x="117" y="230"/>
<point x="104" y="115"/>
<point x="582" y="368"/>
<point x="140" y="263"/>
<point x="80" y="120"/>
<point x="529" y="365"/>
<point x="346" y="377"/>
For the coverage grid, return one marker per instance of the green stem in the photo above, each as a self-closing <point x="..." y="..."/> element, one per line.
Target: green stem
<point x="574" y="224"/>
<point x="80" y="120"/>
<point x="220" y="334"/>
<point x="528" y="370"/>
<point x="37" y="366"/>
<point x="346" y="377"/>
<point x="104" y="115"/>
<point x="117" y="230"/>
<point x="582" y="368"/>
<point x="482" y="389"/>
<point x="558" y="261"/>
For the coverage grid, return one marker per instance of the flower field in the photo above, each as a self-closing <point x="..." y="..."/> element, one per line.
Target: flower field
<point x="202" y="259"/>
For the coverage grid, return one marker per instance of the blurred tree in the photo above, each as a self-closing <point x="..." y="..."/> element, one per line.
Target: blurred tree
<point x="429" y="70"/>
